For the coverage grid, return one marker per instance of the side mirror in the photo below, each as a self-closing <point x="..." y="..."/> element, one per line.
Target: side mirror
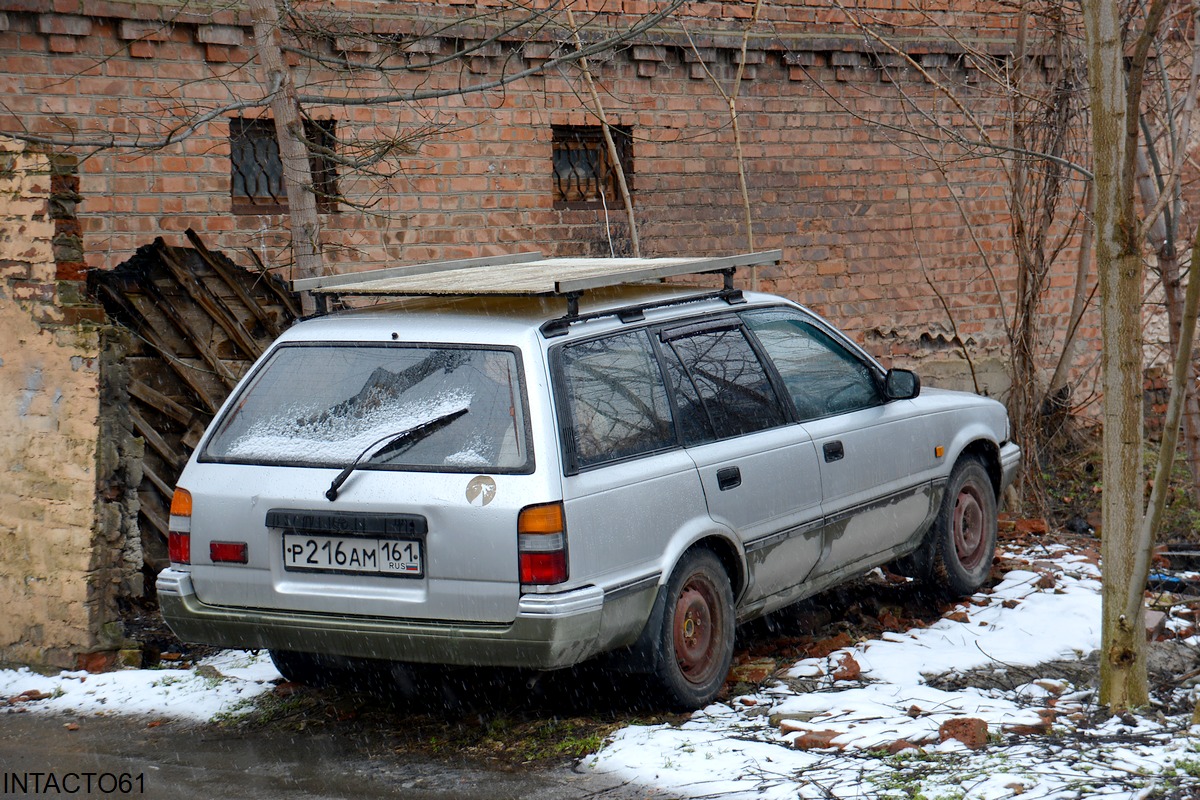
<point x="901" y="384"/>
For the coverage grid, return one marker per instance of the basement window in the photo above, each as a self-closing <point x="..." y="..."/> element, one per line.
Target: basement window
<point x="256" y="172"/>
<point x="584" y="172"/>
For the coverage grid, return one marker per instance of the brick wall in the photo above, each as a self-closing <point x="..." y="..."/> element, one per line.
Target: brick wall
<point x="56" y="582"/>
<point x="872" y="230"/>
<point x="904" y="245"/>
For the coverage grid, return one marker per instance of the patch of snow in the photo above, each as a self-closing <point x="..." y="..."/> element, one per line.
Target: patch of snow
<point x="742" y="750"/>
<point x="231" y="680"/>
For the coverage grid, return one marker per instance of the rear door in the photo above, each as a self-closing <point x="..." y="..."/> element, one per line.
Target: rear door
<point x="629" y="487"/>
<point x="758" y="468"/>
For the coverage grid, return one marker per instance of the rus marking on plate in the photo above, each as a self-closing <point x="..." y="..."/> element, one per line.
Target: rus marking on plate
<point x="481" y="490"/>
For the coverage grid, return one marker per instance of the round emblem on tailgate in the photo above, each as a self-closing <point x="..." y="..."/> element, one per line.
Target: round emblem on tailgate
<point x="481" y="490"/>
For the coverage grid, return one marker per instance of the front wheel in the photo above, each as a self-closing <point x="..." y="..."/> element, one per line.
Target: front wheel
<point x="963" y="539"/>
<point x="696" y="638"/>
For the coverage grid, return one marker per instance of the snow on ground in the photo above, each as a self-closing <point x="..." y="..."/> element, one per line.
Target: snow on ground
<point x="1042" y="740"/>
<point x="219" y="685"/>
<point x="747" y="749"/>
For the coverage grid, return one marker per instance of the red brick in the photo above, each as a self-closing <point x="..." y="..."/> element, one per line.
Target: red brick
<point x="96" y="662"/>
<point x="753" y="672"/>
<point x="971" y="731"/>
<point x="847" y="668"/>
<point x="142" y="49"/>
<point x="70" y="271"/>
<point x="74" y="315"/>
<point x="62" y="44"/>
<point x="817" y="740"/>
<point x="64" y="25"/>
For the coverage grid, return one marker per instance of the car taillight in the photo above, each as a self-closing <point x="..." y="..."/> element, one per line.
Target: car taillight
<point x="179" y="531"/>
<point x="542" y="544"/>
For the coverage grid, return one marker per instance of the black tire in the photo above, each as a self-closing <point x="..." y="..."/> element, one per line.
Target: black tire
<point x="961" y="546"/>
<point x="695" y="641"/>
<point x="311" y="669"/>
<point x="326" y="671"/>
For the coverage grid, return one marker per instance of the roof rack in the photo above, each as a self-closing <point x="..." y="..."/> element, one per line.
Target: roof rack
<point x="526" y="274"/>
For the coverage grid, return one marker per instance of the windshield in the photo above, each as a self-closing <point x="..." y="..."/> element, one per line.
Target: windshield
<point x="323" y="405"/>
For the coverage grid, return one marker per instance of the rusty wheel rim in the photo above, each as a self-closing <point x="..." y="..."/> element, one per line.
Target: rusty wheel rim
<point x="970" y="527"/>
<point x="697" y="629"/>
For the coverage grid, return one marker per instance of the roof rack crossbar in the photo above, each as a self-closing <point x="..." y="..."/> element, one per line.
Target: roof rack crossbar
<point x="632" y="313"/>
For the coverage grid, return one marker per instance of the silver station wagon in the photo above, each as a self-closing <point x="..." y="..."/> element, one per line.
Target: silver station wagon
<point x="541" y="461"/>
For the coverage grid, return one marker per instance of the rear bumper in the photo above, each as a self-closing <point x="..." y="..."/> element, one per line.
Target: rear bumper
<point x="550" y="631"/>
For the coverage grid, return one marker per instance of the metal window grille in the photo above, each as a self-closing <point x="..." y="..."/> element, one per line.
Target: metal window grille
<point x="256" y="172"/>
<point x="583" y="170"/>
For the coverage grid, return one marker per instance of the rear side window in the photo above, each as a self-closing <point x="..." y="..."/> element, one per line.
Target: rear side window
<point x="615" y="398"/>
<point x="454" y="409"/>
<point x="721" y="386"/>
<point x="822" y="376"/>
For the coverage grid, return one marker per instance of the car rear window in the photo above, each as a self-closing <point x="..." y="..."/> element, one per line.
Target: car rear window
<point x="325" y="405"/>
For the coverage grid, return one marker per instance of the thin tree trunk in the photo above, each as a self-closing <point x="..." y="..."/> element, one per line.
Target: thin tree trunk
<point x="730" y="99"/>
<point x="1024" y="394"/>
<point x="1180" y="377"/>
<point x="622" y="185"/>
<point x="1079" y="302"/>
<point x="1161" y="198"/>
<point x="737" y="140"/>
<point x="1173" y="293"/>
<point x="1123" y="682"/>
<point x="293" y="152"/>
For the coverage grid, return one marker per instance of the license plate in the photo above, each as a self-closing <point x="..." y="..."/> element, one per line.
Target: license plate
<point x="312" y="553"/>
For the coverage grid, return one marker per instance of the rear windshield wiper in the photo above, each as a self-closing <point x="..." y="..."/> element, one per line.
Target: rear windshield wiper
<point x="394" y="441"/>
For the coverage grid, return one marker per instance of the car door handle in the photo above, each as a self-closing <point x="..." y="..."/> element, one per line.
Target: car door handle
<point x="833" y="451"/>
<point x="729" y="478"/>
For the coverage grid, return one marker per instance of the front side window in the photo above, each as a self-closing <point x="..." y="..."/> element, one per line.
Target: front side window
<point x="822" y="376"/>
<point x="616" y="400"/>
<point x="721" y="387"/>
<point x="452" y="409"/>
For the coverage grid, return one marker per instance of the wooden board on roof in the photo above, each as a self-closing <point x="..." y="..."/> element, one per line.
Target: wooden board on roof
<point x="512" y="275"/>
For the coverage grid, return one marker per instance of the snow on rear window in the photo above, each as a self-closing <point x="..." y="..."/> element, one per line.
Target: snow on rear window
<point x="325" y="405"/>
<point x="300" y="435"/>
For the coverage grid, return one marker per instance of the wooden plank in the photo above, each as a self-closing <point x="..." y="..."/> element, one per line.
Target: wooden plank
<point x="167" y="453"/>
<point x="202" y="296"/>
<point x="329" y="283"/>
<point x="550" y="276"/>
<point x="189" y="332"/>
<point x="151" y="336"/>
<point x="166" y="489"/>
<point x="216" y="263"/>
<point x="288" y="300"/>
<point x="160" y="402"/>
<point x="703" y="266"/>
<point x="154" y="541"/>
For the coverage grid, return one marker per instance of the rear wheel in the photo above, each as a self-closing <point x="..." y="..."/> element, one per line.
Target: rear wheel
<point x="696" y="637"/>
